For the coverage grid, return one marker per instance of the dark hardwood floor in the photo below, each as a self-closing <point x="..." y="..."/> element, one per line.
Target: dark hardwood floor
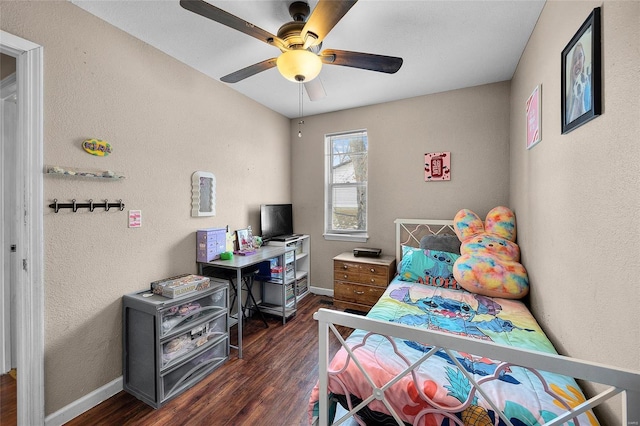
<point x="8" y="392"/>
<point x="271" y="385"/>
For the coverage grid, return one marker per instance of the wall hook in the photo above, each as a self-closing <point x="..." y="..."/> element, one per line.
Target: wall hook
<point x="74" y="205"/>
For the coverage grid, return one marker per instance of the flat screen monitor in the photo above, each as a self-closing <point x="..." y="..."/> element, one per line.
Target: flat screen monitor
<point x="276" y="220"/>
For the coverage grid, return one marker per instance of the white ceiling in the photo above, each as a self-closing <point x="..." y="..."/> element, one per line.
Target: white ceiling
<point x="446" y="45"/>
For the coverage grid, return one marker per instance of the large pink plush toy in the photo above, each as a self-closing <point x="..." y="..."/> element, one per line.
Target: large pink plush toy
<point x="490" y="259"/>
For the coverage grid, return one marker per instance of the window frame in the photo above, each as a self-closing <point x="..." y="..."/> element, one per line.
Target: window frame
<point x="329" y="232"/>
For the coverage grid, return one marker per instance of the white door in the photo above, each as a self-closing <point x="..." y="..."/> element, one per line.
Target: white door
<point x="8" y="141"/>
<point x="29" y="205"/>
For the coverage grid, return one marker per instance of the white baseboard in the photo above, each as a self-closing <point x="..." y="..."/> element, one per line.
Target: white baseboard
<point x="321" y="291"/>
<point x="83" y="404"/>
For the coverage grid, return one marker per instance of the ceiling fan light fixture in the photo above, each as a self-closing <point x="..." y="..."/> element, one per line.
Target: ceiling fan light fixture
<point x="299" y="65"/>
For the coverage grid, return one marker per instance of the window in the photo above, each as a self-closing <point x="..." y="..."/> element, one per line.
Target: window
<point x="346" y="186"/>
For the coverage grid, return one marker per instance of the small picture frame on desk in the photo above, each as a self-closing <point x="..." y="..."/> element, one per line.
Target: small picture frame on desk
<point x="244" y="240"/>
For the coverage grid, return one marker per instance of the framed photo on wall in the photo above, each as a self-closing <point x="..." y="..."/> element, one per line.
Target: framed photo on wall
<point x="581" y="95"/>
<point x="534" y="126"/>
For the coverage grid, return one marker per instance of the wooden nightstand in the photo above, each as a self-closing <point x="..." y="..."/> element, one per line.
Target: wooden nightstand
<point x="358" y="282"/>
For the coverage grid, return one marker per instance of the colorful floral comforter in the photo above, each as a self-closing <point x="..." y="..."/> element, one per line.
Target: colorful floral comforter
<point x="518" y="392"/>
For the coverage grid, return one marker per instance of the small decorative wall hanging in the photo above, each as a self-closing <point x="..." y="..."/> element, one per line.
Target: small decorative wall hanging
<point x="534" y="134"/>
<point x="97" y="147"/>
<point x="581" y="90"/>
<point x="135" y="218"/>
<point x="437" y="166"/>
<point x="203" y="194"/>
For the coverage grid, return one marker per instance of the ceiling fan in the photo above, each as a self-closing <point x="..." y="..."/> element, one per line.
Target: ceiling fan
<point x="300" y="42"/>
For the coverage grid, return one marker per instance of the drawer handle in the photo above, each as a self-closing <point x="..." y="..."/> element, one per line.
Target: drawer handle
<point x="373" y="280"/>
<point x="345" y="267"/>
<point x="345" y="276"/>
<point x="360" y="293"/>
<point x="372" y="270"/>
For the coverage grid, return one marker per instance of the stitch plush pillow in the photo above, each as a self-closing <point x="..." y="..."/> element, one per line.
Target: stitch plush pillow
<point x="490" y="259"/>
<point x="431" y="267"/>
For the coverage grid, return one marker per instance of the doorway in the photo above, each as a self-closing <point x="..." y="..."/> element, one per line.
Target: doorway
<point x="27" y="180"/>
<point x="8" y="266"/>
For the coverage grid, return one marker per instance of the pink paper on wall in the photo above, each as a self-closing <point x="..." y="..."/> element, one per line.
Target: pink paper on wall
<point x="437" y="166"/>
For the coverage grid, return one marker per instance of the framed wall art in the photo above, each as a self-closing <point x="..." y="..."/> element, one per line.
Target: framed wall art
<point x="437" y="166"/>
<point x="534" y="125"/>
<point x="581" y="95"/>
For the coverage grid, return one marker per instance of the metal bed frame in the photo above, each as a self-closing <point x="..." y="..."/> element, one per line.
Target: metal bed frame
<point x="409" y="232"/>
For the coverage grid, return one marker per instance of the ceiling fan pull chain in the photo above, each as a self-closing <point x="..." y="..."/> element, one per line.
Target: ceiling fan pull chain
<point x="301" y="100"/>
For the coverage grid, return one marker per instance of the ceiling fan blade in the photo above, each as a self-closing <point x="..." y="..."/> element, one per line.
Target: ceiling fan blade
<point x="324" y="17"/>
<point x="254" y="69"/>
<point x="366" y="61"/>
<point x="207" y="10"/>
<point x="315" y="89"/>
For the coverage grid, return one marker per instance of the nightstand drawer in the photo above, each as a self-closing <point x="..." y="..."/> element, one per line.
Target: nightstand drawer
<point x="346" y="275"/>
<point x="346" y="267"/>
<point x="361" y="268"/>
<point x="374" y="270"/>
<point x="362" y="273"/>
<point x="363" y="294"/>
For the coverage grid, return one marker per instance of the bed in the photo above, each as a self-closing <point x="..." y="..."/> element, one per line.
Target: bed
<point x="431" y="353"/>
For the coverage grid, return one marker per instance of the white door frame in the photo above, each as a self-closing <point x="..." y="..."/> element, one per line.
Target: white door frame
<point x="9" y="262"/>
<point x="30" y="239"/>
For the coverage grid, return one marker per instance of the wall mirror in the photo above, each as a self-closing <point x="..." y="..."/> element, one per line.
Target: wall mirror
<point x="203" y="194"/>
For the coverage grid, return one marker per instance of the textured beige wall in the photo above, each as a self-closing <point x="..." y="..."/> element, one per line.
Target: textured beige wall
<point x="164" y="121"/>
<point x="473" y="124"/>
<point x="577" y="195"/>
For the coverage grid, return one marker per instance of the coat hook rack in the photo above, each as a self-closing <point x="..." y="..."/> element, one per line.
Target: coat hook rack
<point x="73" y="205"/>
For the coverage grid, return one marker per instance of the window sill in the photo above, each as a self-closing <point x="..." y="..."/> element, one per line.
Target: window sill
<point x="347" y="237"/>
